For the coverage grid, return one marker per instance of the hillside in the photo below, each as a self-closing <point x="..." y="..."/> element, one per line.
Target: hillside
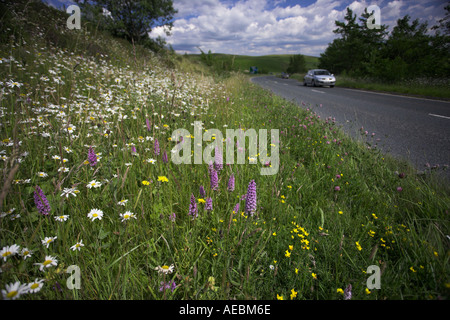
<point x="119" y="182"/>
<point x="266" y="64"/>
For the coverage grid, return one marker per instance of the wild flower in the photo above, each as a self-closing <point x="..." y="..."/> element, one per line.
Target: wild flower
<point x="250" y="201"/>
<point x="165" y="269"/>
<point x="236" y="208"/>
<point x="122" y="202"/>
<point x="213" y="178"/>
<point x="77" y="246"/>
<point x="166" y="286"/>
<point x="164" y="158"/>
<point x="230" y="186"/>
<point x="35" y="286"/>
<point x="25" y="253"/>
<point x="92" y="157"/>
<point x="12" y="84"/>
<point x="94" y="184"/>
<point x="193" y="210"/>
<point x="156" y="149"/>
<point x="9" y="251"/>
<point x="293" y="294"/>
<point x="41" y="201"/>
<point x="163" y="179"/>
<point x="48" y="262"/>
<point x="127" y="216"/>
<point x="208" y="205"/>
<point x="348" y="292"/>
<point x="47" y="240"/>
<point x="218" y="160"/>
<point x="202" y="192"/>
<point x="147" y="123"/>
<point x="62" y="218"/>
<point x="14" y="290"/>
<point x="95" y="214"/>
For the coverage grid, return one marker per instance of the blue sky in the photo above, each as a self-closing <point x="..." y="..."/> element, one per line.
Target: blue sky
<point x="260" y="27"/>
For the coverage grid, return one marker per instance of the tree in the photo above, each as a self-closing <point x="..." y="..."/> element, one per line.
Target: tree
<point x="444" y="23"/>
<point x="357" y="47"/>
<point x="131" y="19"/>
<point x="410" y="43"/>
<point x="297" y="64"/>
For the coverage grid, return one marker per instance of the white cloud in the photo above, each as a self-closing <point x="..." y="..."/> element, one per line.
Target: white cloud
<point x="257" y="27"/>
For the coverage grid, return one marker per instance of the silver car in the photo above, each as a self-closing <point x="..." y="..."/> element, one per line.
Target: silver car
<point x="319" y="77"/>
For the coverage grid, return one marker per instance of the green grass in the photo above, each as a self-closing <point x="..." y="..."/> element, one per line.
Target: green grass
<point x="306" y="235"/>
<point x="434" y="88"/>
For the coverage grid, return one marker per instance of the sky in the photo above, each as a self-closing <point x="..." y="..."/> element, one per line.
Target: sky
<point x="262" y="27"/>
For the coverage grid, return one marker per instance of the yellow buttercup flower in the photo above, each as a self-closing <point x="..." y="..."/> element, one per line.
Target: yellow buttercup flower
<point x="163" y="179"/>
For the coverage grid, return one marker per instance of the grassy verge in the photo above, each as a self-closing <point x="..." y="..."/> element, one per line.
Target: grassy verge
<point x="430" y="88"/>
<point x="92" y="132"/>
<point x="427" y="88"/>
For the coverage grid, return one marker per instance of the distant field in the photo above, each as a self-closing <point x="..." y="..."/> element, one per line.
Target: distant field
<point x="266" y="64"/>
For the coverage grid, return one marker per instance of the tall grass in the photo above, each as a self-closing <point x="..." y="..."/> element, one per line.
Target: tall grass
<point x="334" y="208"/>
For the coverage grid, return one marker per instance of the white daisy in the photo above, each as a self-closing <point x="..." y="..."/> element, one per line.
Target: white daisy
<point x="47" y="240"/>
<point x="95" y="214"/>
<point x="49" y="262"/>
<point x="127" y="216"/>
<point x="94" y="184"/>
<point x="25" y="253"/>
<point x="165" y="269"/>
<point x="9" y="251"/>
<point x="14" y="290"/>
<point x="13" y="84"/>
<point x="35" y="286"/>
<point x="77" y="246"/>
<point x="69" y="191"/>
<point x="122" y="202"/>
<point x="42" y="174"/>
<point x="62" y="218"/>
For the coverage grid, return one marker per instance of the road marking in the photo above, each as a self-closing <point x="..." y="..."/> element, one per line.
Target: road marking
<point x="317" y="91"/>
<point x="438" y="115"/>
<point x="397" y="95"/>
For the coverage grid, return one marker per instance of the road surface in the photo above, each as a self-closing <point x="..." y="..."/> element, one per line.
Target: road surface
<point x="409" y="128"/>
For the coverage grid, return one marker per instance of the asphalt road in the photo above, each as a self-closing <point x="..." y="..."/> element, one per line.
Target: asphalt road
<point x="409" y="128"/>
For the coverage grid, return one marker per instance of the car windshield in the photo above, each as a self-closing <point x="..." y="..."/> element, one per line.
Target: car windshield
<point x="321" y="73"/>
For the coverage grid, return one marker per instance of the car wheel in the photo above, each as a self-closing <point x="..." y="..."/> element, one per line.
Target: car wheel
<point x="331" y="86"/>
<point x="304" y="83"/>
<point x="313" y="83"/>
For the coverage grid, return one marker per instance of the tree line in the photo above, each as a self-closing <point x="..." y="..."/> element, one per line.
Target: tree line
<point x="131" y="19"/>
<point x="409" y="51"/>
